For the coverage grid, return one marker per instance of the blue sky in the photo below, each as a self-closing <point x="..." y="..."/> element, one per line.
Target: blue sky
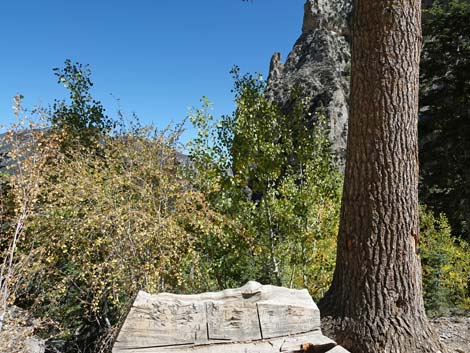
<point x="159" y="57"/>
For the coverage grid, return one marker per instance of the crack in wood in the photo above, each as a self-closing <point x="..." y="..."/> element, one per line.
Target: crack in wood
<point x="259" y="322"/>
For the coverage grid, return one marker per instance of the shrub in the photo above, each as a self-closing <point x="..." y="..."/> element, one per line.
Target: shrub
<point x="446" y="266"/>
<point x="275" y="175"/>
<point x="107" y="225"/>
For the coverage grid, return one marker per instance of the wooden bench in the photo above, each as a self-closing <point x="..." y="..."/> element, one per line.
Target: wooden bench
<point x="252" y="319"/>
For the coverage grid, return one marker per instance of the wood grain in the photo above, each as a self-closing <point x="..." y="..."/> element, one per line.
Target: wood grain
<point x="250" y="319"/>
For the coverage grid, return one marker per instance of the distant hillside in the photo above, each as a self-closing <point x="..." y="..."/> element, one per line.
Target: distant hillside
<point x="7" y="144"/>
<point x="24" y="136"/>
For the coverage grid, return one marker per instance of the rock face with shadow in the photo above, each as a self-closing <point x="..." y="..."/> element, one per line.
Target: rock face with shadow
<point x="319" y="64"/>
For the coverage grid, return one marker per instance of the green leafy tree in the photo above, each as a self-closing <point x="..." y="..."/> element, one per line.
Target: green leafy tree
<point x="445" y="113"/>
<point x="274" y="173"/>
<point x="83" y="119"/>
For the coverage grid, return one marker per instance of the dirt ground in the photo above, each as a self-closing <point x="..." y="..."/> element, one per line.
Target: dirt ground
<point x="454" y="332"/>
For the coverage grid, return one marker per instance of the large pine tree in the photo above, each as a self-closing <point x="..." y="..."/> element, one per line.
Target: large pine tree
<point x="375" y="297"/>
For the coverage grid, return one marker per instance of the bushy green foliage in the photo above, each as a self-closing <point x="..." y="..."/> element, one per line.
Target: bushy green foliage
<point x="83" y="118"/>
<point x="446" y="266"/>
<point x="107" y="225"/>
<point x="445" y="113"/>
<point x="6" y="208"/>
<point x="19" y="183"/>
<point x="274" y="174"/>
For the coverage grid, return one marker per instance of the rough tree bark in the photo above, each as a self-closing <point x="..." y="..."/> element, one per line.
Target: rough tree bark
<point x="375" y="299"/>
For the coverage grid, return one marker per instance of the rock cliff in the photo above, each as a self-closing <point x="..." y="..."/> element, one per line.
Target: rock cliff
<point x="319" y="64"/>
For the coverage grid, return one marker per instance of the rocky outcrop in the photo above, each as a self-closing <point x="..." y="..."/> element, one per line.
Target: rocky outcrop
<point x="17" y="334"/>
<point x="24" y="140"/>
<point x="319" y="64"/>
<point x="332" y="15"/>
<point x="454" y="332"/>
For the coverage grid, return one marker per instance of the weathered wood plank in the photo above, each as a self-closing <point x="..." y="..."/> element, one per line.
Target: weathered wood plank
<point x="233" y="322"/>
<point x="282" y="320"/>
<point x="280" y="344"/>
<point x="158" y="324"/>
<point x="250" y="319"/>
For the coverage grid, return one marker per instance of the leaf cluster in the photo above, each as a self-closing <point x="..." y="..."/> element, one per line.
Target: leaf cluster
<point x="273" y="173"/>
<point x="446" y="266"/>
<point x="83" y="119"/>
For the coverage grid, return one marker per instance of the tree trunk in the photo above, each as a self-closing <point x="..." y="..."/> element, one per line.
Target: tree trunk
<point x="375" y="299"/>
